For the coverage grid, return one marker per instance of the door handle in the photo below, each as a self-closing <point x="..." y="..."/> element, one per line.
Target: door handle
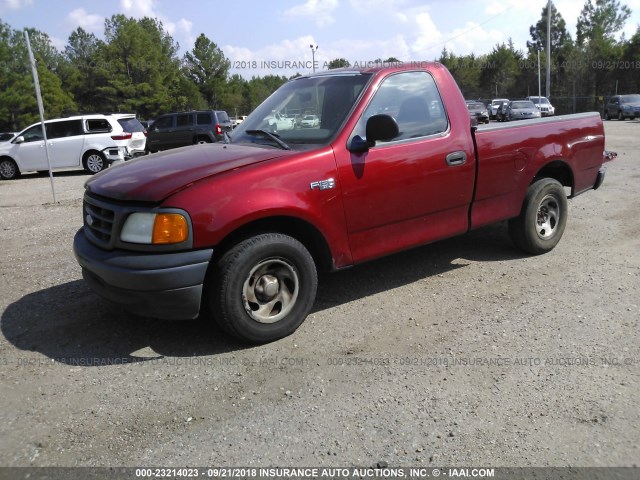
<point x="456" y="158"/>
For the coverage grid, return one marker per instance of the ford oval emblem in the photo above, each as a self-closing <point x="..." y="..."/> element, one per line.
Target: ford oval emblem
<point x="89" y="220"/>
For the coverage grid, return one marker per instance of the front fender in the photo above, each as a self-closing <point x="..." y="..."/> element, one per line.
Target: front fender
<point x="282" y="188"/>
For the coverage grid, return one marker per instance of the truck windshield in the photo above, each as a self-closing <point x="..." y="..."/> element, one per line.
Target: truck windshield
<point x="323" y="102"/>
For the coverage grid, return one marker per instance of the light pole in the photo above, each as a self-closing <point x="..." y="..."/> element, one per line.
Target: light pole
<point x="548" y="76"/>
<point x="313" y="56"/>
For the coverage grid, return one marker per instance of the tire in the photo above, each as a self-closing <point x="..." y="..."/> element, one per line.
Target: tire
<point x="8" y="169"/>
<point x="202" y="140"/>
<point x="542" y="219"/>
<point x="606" y="115"/>
<point x="263" y="288"/>
<point x="94" y="162"/>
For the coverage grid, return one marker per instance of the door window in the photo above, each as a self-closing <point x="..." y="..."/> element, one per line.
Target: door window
<point x="33" y="134"/>
<point x="98" y="125"/>
<point x="184" y="120"/>
<point x="413" y="100"/>
<point x="204" y="119"/>
<point x="66" y="128"/>
<point x="163" y="122"/>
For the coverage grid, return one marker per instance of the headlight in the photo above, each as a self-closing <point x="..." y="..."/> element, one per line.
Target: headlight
<point x="155" y="228"/>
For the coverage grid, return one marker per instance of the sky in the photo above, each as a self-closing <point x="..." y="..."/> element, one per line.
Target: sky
<point x="261" y="37"/>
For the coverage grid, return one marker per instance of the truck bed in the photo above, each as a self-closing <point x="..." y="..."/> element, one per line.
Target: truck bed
<point x="510" y="155"/>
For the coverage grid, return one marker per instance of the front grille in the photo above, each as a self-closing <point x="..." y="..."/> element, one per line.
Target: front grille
<point x="99" y="221"/>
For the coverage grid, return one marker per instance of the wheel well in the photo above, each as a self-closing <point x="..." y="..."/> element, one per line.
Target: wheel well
<point x="559" y="171"/>
<point x="301" y="230"/>
<point x="6" y="157"/>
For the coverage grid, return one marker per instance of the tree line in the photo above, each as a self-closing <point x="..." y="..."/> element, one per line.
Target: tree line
<point x="585" y="71"/>
<point x="137" y="68"/>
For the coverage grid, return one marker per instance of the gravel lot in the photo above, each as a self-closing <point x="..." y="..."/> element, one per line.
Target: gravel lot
<point x="460" y="353"/>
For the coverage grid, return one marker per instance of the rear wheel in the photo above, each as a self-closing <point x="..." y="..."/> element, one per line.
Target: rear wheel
<point x="8" y="169"/>
<point x="94" y="162"/>
<point x="263" y="288"/>
<point x="543" y="218"/>
<point x="606" y="115"/>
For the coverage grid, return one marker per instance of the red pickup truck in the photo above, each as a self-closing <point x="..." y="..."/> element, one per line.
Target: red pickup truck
<point x="238" y="230"/>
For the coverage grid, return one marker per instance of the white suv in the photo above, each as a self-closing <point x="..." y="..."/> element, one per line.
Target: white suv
<point x="91" y="142"/>
<point x="544" y="105"/>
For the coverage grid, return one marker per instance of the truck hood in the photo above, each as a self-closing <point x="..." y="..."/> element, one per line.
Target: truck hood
<point x="155" y="177"/>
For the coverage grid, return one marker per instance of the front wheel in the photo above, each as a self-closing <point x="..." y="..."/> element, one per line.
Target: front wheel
<point x="8" y="169"/>
<point x="543" y="217"/>
<point x="263" y="288"/>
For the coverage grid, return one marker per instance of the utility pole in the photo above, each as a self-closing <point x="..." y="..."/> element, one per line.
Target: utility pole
<point x="548" y="89"/>
<point x="36" y="84"/>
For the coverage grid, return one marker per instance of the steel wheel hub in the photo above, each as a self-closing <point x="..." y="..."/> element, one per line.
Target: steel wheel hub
<point x="271" y="290"/>
<point x="547" y="217"/>
<point x="267" y="287"/>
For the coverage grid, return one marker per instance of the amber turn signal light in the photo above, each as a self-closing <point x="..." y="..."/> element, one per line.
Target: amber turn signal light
<point x="170" y="228"/>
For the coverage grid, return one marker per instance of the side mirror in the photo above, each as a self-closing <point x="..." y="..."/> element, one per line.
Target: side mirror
<point x="18" y="140"/>
<point x="379" y="127"/>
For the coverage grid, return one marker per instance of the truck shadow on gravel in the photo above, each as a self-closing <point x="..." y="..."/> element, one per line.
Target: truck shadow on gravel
<point x="70" y="324"/>
<point x="488" y="244"/>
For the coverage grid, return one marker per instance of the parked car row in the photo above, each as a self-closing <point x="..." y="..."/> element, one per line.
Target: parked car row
<point x="91" y="142"/>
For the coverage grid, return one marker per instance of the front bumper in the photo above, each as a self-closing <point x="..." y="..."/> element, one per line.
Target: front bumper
<point x="160" y="285"/>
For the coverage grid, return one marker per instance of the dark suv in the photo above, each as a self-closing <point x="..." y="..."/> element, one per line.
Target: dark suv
<point x="187" y="128"/>
<point x="622" y="106"/>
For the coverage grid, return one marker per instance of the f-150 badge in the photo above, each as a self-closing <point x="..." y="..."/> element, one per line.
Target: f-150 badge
<point x="323" y="184"/>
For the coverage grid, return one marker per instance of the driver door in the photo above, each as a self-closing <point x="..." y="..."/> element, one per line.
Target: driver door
<point x="415" y="188"/>
<point x="31" y="154"/>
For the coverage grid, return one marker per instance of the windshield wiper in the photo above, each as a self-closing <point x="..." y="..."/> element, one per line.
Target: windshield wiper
<point x="271" y="136"/>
